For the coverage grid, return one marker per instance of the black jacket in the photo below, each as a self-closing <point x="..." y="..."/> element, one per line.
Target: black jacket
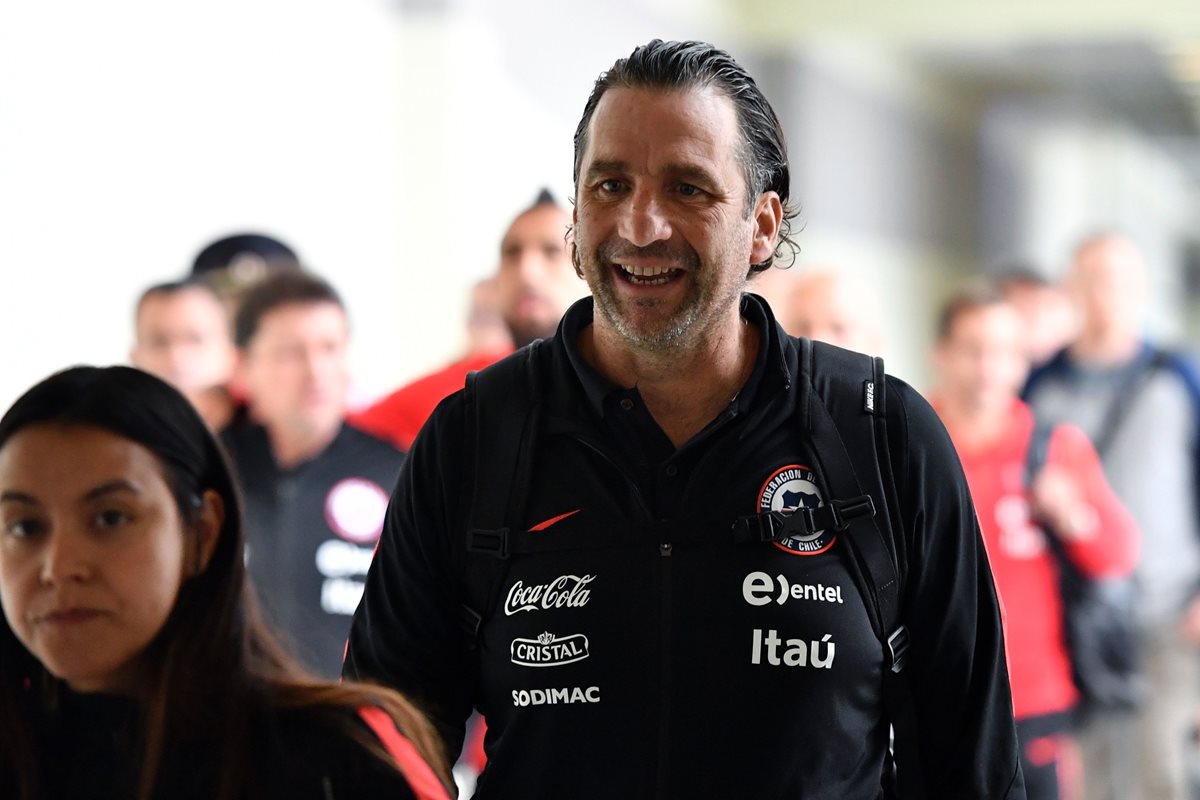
<point x="88" y="749"/>
<point x="311" y="532"/>
<point x="645" y="654"/>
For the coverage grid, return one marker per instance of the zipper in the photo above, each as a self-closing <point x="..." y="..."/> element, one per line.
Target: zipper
<point x="663" y="772"/>
<point x="665" y="549"/>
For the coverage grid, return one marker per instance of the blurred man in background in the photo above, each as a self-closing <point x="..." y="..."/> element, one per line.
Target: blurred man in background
<point x="1141" y="408"/>
<point x="182" y="335"/>
<point x="487" y="332"/>
<point x="1050" y="319"/>
<point x="534" y="286"/>
<point x="825" y="305"/>
<point x="315" y="488"/>
<point x="981" y="362"/>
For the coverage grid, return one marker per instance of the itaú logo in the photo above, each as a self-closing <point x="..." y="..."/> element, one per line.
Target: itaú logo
<point x="769" y="649"/>
<point x="565" y="591"/>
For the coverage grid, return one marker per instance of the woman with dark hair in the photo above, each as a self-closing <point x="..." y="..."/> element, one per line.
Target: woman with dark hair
<point x="133" y="663"/>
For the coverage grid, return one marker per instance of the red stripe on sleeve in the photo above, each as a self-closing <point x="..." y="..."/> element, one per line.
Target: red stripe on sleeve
<point x="420" y="775"/>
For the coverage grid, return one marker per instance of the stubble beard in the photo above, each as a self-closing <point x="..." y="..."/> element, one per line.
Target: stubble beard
<point x="700" y="307"/>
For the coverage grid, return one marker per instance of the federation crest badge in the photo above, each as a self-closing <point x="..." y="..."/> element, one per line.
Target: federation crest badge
<point x="788" y="489"/>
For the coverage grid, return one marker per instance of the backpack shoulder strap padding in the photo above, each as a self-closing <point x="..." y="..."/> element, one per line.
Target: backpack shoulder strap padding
<point x="502" y="419"/>
<point x="843" y="406"/>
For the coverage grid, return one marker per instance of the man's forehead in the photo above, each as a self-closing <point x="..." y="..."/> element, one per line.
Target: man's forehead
<point x="699" y="120"/>
<point x="171" y="303"/>
<point x="540" y="223"/>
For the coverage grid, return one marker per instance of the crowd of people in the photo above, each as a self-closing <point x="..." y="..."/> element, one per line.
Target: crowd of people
<point x="655" y="529"/>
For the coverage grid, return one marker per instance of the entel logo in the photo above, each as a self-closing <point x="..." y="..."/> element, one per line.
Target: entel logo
<point x="565" y="591"/>
<point x="758" y="588"/>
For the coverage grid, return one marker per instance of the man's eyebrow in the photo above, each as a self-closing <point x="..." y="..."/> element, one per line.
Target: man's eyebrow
<point x="118" y="485"/>
<point x="603" y="165"/>
<point x="692" y="172"/>
<point x="11" y="496"/>
<point x="682" y="170"/>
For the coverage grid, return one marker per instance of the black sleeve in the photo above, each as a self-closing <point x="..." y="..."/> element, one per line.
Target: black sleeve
<point x="310" y="755"/>
<point x="406" y="633"/>
<point x="967" y="738"/>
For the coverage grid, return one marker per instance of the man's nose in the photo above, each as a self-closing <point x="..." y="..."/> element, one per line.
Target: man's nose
<point x="530" y="267"/>
<point x="644" y="220"/>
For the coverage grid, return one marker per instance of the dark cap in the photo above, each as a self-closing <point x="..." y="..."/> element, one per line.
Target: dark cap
<point x="243" y="259"/>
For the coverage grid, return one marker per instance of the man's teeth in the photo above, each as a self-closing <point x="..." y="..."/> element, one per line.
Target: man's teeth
<point x="648" y="275"/>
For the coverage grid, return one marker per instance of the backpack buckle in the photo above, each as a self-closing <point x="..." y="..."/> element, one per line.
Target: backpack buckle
<point x="897" y="649"/>
<point x="845" y="510"/>
<point x="489" y="543"/>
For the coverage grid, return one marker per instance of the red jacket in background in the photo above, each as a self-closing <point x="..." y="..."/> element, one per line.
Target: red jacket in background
<point x="1024" y="569"/>
<point x="401" y="414"/>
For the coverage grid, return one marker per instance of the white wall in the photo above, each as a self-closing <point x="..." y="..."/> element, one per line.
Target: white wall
<point x="390" y="147"/>
<point x="133" y="132"/>
<point x="1069" y="171"/>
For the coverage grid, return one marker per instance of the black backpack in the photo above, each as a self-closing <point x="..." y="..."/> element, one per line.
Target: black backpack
<point x="841" y="409"/>
<point x="1099" y="616"/>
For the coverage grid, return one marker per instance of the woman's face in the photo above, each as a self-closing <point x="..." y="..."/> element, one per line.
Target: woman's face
<point x="92" y="552"/>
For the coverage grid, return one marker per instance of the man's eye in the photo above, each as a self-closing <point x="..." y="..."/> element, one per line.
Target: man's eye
<point x="611" y="185"/>
<point x="22" y="528"/>
<point x="687" y="190"/>
<point x="110" y="518"/>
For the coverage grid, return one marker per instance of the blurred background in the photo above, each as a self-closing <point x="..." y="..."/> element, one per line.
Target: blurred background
<point x="391" y="141"/>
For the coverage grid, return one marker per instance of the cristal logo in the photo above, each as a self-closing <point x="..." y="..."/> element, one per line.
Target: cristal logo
<point x="548" y="650"/>
<point x="758" y="589"/>
<point x="565" y="591"/>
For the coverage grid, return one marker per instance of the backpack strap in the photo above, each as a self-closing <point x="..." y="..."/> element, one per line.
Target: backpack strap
<point x="502" y="424"/>
<point x="1124" y="396"/>
<point x="843" y="408"/>
<point x="1038" y="450"/>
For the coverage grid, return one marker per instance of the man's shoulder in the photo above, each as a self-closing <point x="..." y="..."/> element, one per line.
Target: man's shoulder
<point x="534" y="372"/>
<point x="434" y="386"/>
<point x="354" y="440"/>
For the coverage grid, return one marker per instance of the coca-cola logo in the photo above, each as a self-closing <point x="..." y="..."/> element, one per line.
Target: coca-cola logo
<point x="565" y="591"/>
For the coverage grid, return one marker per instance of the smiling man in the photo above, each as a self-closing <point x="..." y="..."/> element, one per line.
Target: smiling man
<point x="566" y="549"/>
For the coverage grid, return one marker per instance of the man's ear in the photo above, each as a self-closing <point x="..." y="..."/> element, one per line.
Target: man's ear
<point x="207" y="530"/>
<point x="767" y="218"/>
<point x="570" y="240"/>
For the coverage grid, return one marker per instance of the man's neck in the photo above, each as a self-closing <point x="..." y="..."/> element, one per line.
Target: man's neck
<point x="1106" y="347"/>
<point x="973" y="425"/>
<point x="292" y="447"/>
<point x="214" y="405"/>
<point x="683" y="390"/>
